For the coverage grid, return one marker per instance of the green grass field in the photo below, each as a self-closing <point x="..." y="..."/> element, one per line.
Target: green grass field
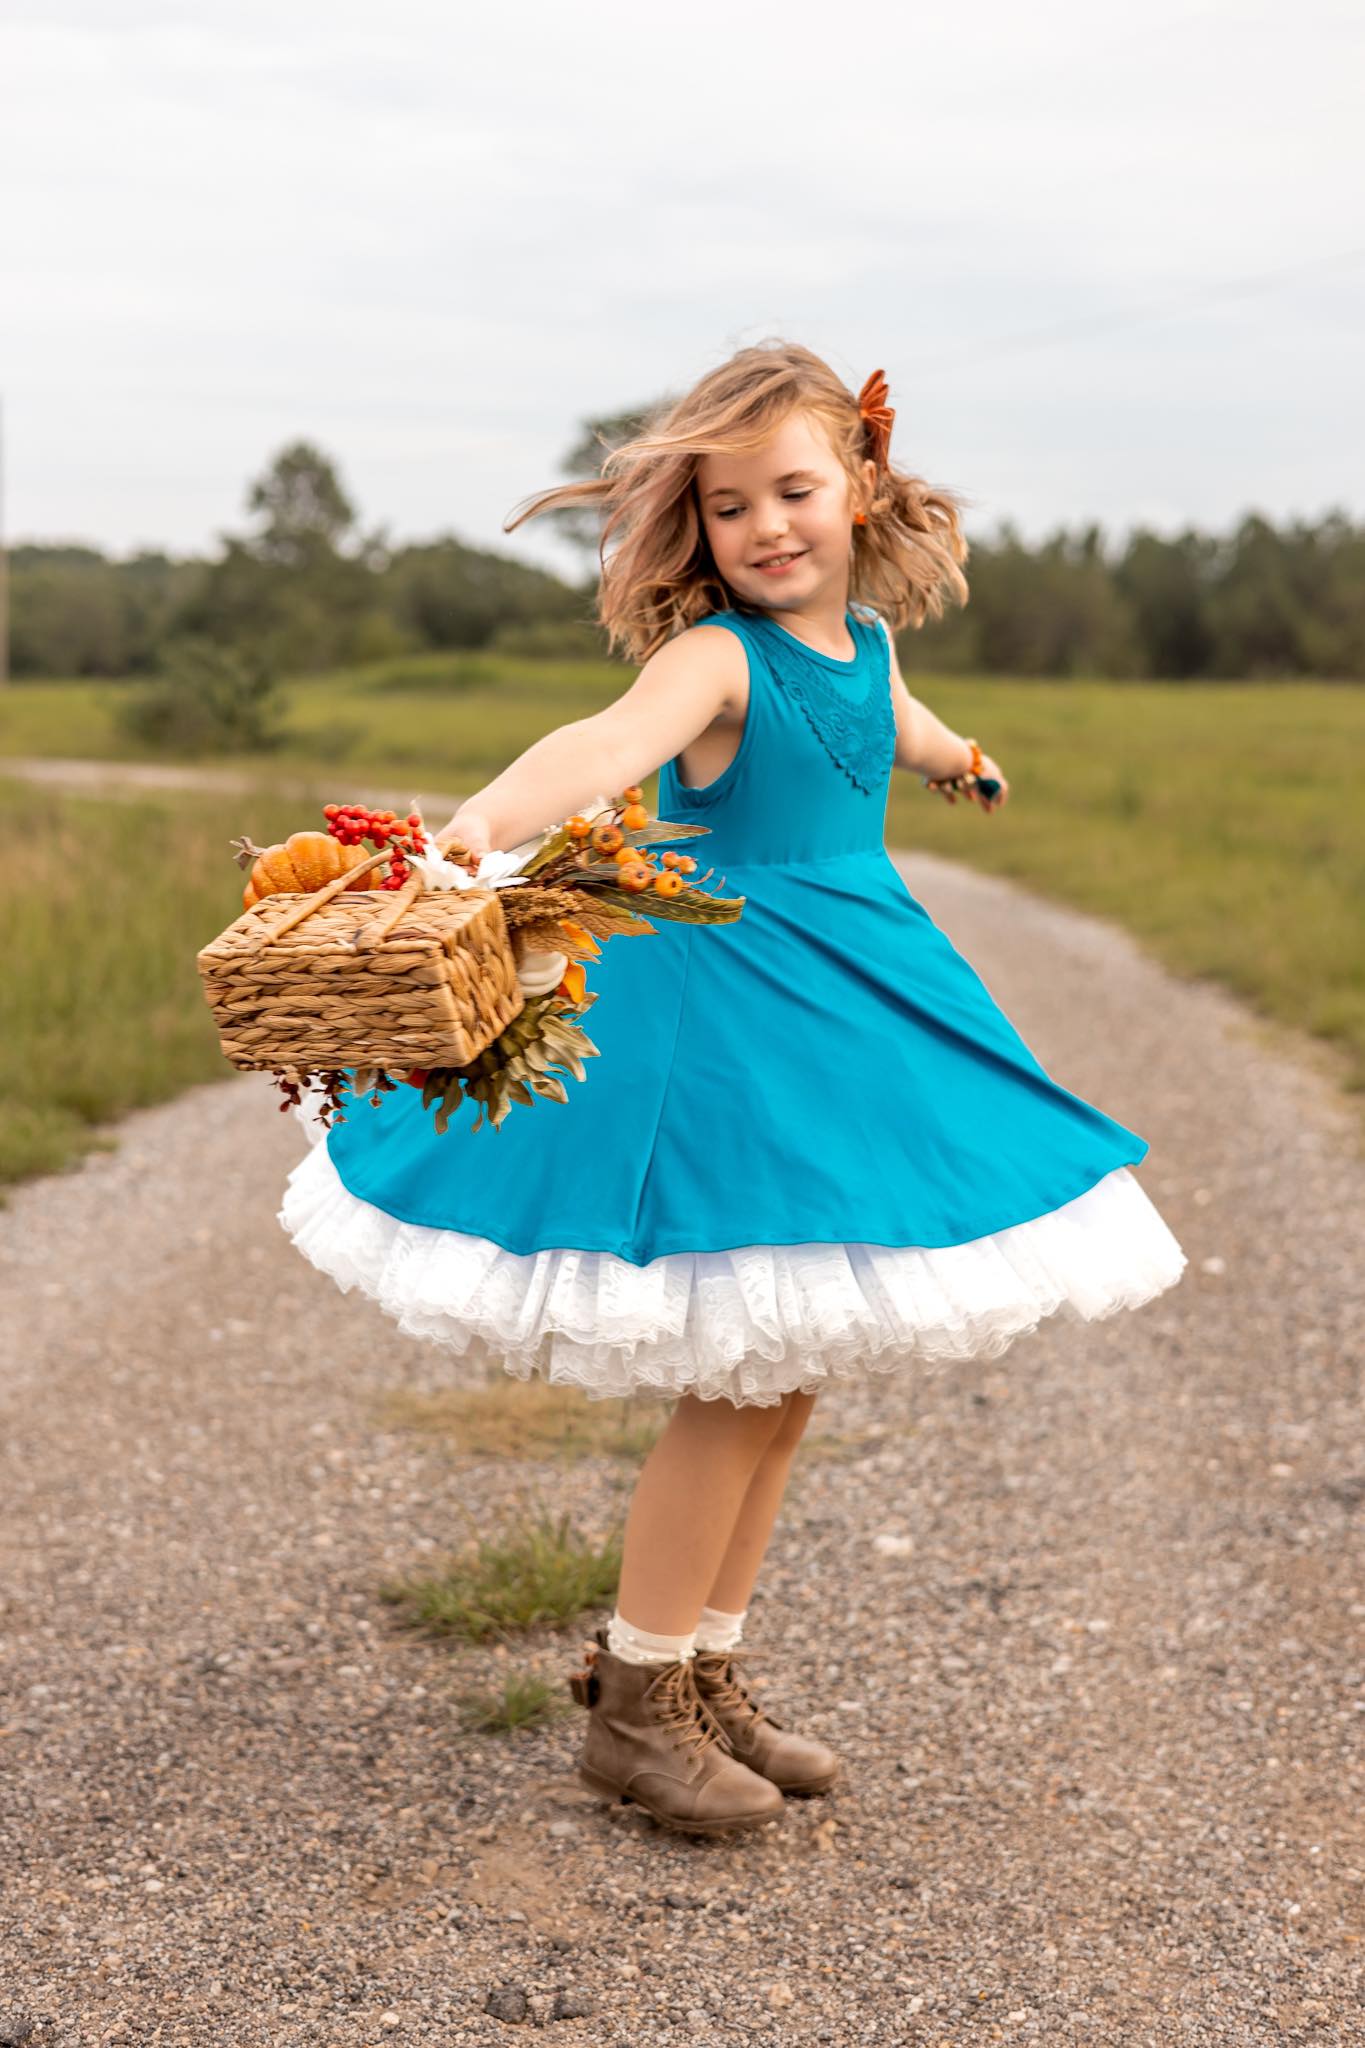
<point x="451" y="719"/>
<point x="1211" y="820"/>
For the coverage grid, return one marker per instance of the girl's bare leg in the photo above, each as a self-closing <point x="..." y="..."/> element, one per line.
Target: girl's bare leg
<point x="685" y="1504"/>
<point x="734" y="1581"/>
<point x="703" y="1509"/>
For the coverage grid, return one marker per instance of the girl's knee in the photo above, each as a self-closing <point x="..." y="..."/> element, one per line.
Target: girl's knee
<point x="793" y="1415"/>
<point x="740" y="1422"/>
<point x="764" y="1429"/>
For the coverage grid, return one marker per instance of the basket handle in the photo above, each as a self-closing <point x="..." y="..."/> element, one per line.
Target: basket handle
<point x="380" y="927"/>
<point x="306" y="905"/>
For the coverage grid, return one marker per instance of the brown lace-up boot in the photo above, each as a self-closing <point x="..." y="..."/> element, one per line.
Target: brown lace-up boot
<point x="651" y="1740"/>
<point x="791" y="1762"/>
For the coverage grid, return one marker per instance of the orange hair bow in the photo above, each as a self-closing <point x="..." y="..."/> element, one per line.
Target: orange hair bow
<point x="878" y="416"/>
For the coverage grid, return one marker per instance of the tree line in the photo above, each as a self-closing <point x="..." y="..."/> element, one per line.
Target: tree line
<point x="308" y="588"/>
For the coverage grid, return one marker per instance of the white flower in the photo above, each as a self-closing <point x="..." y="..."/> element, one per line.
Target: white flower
<point x="496" y="870"/>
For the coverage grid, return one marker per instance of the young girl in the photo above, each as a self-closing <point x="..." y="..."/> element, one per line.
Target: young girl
<point x="813" y="1147"/>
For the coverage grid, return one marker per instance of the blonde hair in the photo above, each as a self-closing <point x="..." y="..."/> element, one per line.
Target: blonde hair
<point x="661" y="577"/>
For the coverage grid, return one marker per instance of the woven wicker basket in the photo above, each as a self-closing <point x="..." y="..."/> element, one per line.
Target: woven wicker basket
<point x="346" y="978"/>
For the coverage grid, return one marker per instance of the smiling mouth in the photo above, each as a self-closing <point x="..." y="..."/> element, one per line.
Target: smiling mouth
<point x="775" y="561"/>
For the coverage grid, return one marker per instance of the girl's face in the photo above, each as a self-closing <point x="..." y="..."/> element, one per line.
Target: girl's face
<point x="791" y="497"/>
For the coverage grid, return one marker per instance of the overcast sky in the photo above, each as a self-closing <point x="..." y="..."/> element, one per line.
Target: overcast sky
<point x="1112" y="258"/>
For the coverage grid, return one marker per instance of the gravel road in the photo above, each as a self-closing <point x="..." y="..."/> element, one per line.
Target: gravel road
<point x="1085" y="1622"/>
<point x="131" y="779"/>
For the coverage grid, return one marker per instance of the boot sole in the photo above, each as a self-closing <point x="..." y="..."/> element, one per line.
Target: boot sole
<point x="667" y="1820"/>
<point x="811" y="1787"/>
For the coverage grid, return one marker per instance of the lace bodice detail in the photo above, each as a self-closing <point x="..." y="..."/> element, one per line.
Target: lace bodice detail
<point x="858" y="734"/>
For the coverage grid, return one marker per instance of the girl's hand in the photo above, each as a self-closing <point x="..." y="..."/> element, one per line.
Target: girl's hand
<point x="988" y="767"/>
<point x="469" y="828"/>
<point x="945" y="787"/>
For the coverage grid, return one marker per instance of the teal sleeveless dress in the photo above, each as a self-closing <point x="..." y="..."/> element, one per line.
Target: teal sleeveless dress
<point x="813" y="1145"/>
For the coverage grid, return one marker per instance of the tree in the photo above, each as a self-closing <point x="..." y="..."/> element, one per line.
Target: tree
<point x="306" y="589"/>
<point x="306" y="513"/>
<point x="1165" y="583"/>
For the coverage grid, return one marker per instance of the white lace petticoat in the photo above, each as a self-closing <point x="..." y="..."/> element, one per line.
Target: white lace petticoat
<point x="749" y="1324"/>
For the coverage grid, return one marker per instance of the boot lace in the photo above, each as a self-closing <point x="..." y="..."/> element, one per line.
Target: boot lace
<point x="725" y="1689"/>
<point x="678" y="1706"/>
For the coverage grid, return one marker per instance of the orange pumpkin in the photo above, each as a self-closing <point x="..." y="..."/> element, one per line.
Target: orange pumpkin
<point x="306" y="861"/>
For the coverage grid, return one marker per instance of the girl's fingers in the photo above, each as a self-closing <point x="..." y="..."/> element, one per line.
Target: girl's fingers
<point x="469" y="832"/>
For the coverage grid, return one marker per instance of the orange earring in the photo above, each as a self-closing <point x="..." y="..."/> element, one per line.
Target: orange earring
<point x="860" y="519"/>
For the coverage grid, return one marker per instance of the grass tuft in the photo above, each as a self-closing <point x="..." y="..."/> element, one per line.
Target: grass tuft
<point x="537" y="1573"/>
<point x="522" y="1701"/>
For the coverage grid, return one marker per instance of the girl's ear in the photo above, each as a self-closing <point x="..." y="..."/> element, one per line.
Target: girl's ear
<point x="867" y="471"/>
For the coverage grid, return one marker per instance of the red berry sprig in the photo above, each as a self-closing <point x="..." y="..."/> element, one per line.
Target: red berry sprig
<point x="385" y="830"/>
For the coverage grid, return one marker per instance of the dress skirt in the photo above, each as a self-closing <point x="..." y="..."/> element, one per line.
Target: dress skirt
<point x="748" y="1324"/>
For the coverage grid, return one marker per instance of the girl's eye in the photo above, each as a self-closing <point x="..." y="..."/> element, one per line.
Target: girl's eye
<point x="731" y="509"/>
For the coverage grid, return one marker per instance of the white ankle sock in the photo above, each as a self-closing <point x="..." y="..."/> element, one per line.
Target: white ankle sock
<point x="720" y="1631"/>
<point x="638" y="1646"/>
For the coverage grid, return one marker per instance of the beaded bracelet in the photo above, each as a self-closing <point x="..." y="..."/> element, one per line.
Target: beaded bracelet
<point x="957" y="781"/>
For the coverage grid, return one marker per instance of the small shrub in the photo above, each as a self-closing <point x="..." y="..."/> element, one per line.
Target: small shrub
<point x="206" y="698"/>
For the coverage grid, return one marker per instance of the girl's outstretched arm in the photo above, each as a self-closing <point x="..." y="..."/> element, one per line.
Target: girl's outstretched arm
<point x="692" y="679"/>
<point x="924" y="744"/>
<point x="928" y="747"/>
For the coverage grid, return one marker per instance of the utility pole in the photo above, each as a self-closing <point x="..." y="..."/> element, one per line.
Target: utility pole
<point x="4" y="562"/>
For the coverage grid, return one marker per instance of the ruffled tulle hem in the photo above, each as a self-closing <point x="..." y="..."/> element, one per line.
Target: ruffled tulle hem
<point x="749" y="1324"/>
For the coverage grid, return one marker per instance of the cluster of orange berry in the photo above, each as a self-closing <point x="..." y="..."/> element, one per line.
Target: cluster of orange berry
<point x="352" y="823"/>
<point x="636" y="863"/>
